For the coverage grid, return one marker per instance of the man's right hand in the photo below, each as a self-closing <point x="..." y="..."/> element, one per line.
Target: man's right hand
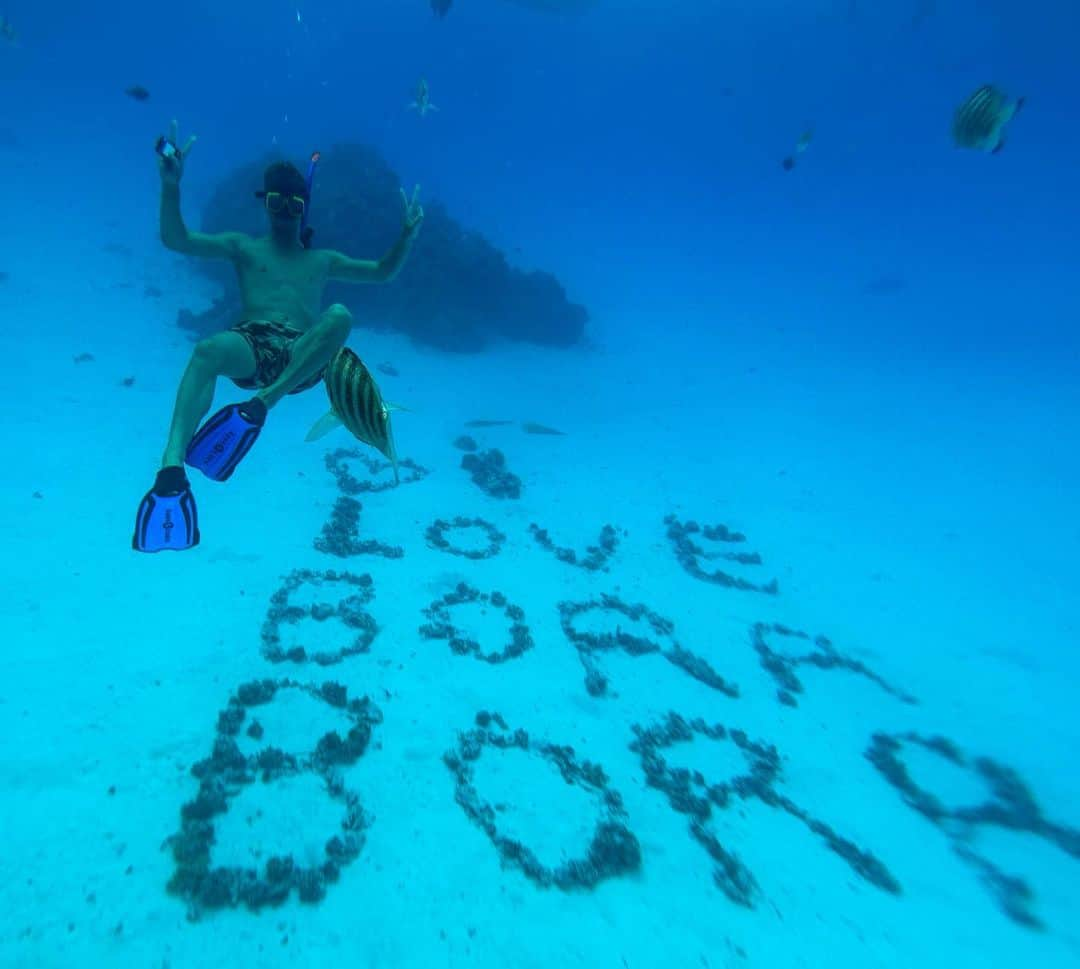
<point x="172" y="169"/>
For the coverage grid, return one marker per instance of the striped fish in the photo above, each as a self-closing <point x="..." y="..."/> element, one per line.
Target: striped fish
<point x="355" y="401"/>
<point x="980" y="121"/>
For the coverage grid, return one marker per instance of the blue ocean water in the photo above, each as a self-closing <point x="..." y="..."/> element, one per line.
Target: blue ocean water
<point x="812" y="699"/>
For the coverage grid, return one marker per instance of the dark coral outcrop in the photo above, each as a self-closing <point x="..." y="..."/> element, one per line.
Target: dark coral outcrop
<point x="456" y="292"/>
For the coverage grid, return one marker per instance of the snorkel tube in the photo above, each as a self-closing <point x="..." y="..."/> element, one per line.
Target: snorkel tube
<point x="306" y="232"/>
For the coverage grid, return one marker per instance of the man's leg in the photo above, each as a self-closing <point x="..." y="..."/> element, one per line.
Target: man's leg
<point x="224" y="355"/>
<point x="311" y="352"/>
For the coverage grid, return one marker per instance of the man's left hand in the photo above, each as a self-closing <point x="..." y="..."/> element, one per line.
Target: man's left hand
<point x="414" y="212"/>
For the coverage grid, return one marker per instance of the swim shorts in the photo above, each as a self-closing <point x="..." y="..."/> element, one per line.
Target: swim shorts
<point x="271" y="343"/>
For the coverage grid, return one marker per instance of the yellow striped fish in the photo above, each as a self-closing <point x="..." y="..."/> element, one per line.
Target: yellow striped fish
<point x="355" y="401"/>
<point x="980" y="121"/>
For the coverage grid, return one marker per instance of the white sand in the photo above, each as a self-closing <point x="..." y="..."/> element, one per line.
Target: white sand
<point x="922" y="523"/>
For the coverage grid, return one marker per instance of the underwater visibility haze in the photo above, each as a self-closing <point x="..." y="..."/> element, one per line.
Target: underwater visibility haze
<point x="540" y="482"/>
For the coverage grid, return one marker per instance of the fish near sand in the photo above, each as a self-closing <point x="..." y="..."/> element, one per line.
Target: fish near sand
<point x="531" y="427"/>
<point x="355" y="401"/>
<point x="979" y="123"/>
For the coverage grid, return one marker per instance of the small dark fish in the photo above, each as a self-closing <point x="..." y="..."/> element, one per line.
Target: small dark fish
<point x="138" y="93"/>
<point x="388" y="368"/>
<point x="557" y="6"/>
<point x="152" y="292"/>
<point x="84" y="358"/>
<point x="127" y="382"/>
<point x="441" y="7"/>
<point x="483" y="423"/>
<point x="882" y="285"/>
<point x="355" y="401"/>
<point x="925" y="10"/>
<point x="530" y="428"/>
<point x="800" y="146"/>
<point x="979" y="122"/>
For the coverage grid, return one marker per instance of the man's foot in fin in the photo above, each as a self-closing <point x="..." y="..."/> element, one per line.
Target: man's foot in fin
<point x="221" y="443"/>
<point x="167" y="518"/>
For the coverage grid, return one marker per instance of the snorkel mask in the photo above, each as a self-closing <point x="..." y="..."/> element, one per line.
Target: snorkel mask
<point x="277" y="203"/>
<point x="296" y="206"/>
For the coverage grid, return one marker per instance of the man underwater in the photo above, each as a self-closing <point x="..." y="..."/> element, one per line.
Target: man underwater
<point x="280" y="346"/>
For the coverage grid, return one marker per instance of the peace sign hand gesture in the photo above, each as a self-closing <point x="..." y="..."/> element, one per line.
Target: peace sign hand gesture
<point x="171" y="163"/>
<point x="414" y="212"/>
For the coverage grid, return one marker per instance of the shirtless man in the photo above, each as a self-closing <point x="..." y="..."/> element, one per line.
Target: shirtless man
<point x="280" y="346"/>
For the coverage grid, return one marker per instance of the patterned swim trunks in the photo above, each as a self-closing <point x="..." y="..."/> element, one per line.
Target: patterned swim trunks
<point x="271" y="343"/>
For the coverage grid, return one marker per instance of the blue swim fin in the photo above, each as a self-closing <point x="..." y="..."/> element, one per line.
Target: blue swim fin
<point x="221" y="443"/>
<point x="167" y="519"/>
